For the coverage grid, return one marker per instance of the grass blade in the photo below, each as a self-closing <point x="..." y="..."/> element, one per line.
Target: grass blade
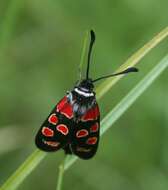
<point x="128" y="100"/>
<point x="83" y="54"/>
<point x="19" y="175"/>
<point x="133" y="60"/>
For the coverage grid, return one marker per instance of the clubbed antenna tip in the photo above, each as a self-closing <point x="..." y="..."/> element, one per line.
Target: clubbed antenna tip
<point x="92" y="34"/>
<point x="132" y="69"/>
<point x="128" y="70"/>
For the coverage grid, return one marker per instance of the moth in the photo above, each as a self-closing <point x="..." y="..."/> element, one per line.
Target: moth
<point x="74" y="123"/>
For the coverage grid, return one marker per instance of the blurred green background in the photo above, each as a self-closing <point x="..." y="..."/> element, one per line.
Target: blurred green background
<point x="40" y="48"/>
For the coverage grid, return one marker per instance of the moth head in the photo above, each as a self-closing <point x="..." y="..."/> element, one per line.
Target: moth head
<point x="86" y="84"/>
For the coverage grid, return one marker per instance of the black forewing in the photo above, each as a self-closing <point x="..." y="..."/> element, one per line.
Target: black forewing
<point x="55" y="131"/>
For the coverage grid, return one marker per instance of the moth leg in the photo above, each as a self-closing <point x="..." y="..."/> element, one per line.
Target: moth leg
<point x="67" y="149"/>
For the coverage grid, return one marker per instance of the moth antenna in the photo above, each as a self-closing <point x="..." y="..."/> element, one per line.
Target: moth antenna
<point x="128" y="70"/>
<point x="92" y="35"/>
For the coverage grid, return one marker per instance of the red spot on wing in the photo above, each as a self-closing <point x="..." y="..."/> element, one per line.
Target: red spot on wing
<point x="65" y="108"/>
<point x="91" y="114"/>
<point x="94" y="128"/>
<point x="81" y="133"/>
<point x="53" y="119"/>
<point x="52" y="143"/>
<point x="91" y="140"/>
<point x="63" y="129"/>
<point x="47" y="132"/>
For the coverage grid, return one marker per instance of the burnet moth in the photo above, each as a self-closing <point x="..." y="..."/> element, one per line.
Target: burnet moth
<point x="74" y="123"/>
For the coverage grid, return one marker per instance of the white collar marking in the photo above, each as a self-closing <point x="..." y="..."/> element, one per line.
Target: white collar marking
<point x="86" y="94"/>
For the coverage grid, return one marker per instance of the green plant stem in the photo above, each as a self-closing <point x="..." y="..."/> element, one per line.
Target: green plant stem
<point x="131" y="61"/>
<point x="61" y="167"/>
<point x="60" y="175"/>
<point x="83" y="54"/>
<point x="35" y="158"/>
<point x="72" y="159"/>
